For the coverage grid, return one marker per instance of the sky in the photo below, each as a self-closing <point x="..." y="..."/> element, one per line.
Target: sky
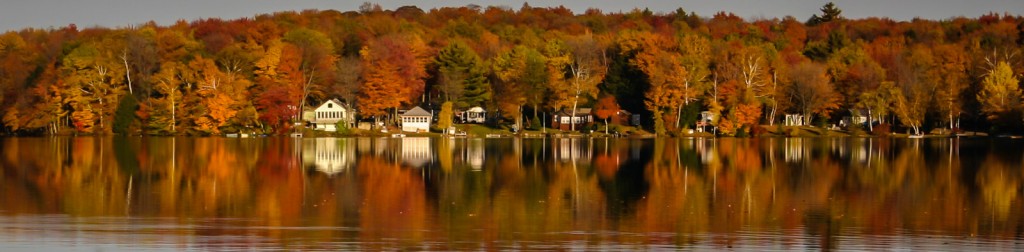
<point x="18" y="14"/>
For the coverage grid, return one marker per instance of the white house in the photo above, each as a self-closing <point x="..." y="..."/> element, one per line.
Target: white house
<point x="330" y="113"/>
<point x="416" y="120"/>
<point x="474" y="115"/>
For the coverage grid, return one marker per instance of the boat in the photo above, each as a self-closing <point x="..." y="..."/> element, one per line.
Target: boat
<point x="397" y="135"/>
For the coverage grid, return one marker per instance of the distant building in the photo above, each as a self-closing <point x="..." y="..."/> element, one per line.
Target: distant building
<point x="794" y="120"/>
<point x="330" y="113"/>
<point x="474" y="115"/>
<point x="704" y="120"/>
<point x="565" y="120"/>
<point x="857" y="117"/>
<point x="416" y="120"/>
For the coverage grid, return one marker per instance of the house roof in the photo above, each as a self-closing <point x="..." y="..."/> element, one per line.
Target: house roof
<point x="579" y="112"/>
<point x="417" y="111"/>
<point x="475" y="110"/>
<point x="335" y="101"/>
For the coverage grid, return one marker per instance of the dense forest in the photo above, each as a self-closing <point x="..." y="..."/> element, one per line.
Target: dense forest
<point x="258" y="74"/>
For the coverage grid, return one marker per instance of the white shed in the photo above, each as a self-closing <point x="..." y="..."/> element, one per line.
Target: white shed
<point x="416" y="120"/>
<point x="330" y="113"/>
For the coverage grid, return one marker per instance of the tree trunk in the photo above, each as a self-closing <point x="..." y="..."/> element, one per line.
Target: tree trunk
<point x="519" y="119"/>
<point x="305" y="93"/>
<point x="173" y="121"/>
<point x="871" y="128"/>
<point x="127" y="71"/>
<point x="679" y="114"/>
<point x="572" y="122"/>
<point x="606" y="125"/>
<point x="950" y="121"/>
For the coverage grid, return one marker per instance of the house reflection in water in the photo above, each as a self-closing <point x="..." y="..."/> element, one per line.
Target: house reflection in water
<point x="572" y="149"/>
<point x="329" y="155"/>
<point x="794" y="149"/>
<point x="416" y="151"/>
<point x="475" y="153"/>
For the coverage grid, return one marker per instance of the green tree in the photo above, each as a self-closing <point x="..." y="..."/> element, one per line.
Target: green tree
<point x="829" y="13"/>
<point x="125" y="114"/>
<point x="463" y="76"/>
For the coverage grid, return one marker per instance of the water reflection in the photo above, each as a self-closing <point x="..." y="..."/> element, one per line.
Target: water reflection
<point x="469" y="193"/>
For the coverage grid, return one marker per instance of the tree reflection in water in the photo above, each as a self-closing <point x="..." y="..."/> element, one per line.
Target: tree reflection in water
<point x="459" y="193"/>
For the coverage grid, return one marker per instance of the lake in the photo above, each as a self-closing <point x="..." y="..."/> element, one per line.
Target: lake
<point x="183" y="193"/>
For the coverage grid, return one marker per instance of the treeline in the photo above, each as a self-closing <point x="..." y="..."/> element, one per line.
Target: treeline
<point x="258" y="74"/>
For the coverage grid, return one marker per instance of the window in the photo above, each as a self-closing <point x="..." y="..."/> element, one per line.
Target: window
<point x="330" y="105"/>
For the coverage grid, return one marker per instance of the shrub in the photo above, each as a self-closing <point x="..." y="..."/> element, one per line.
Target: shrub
<point x="758" y="130"/>
<point x="125" y="114"/>
<point x="342" y="127"/>
<point x="742" y="132"/>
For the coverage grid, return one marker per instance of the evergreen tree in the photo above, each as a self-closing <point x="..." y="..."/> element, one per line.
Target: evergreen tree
<point x="463" y="76"/>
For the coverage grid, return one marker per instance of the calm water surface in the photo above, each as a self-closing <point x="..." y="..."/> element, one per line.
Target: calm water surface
<point x="96" y="193"/>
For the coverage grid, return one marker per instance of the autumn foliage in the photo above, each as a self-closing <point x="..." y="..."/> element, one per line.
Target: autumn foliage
<point x="260" y="74"/>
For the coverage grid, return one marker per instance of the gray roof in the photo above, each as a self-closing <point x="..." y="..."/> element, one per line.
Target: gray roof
<point x="417" y="111"/>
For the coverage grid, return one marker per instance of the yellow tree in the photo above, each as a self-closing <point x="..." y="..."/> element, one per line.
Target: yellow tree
<point x="917" y="78"/>
<point x="94" y="86"/>
<point x="163" y="114"/>
<point x="218" y="96"/>
<point x="1000" y="93"/>
<point x="696" y="54"/>
<point x="879" y="102"/>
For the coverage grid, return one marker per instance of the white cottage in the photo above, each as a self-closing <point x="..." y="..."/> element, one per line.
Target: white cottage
<point x="416" y="120"/>
<point x="474" y="115"/>
<point x="330" y="113"/>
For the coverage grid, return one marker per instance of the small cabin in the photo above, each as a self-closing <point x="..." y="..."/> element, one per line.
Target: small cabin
<point x="328" y="114"/>
<point x="474" y="115"/>
<point x="416" y="120"/>
<point x="704" y="120"/>
<point x="858" y="117"/>
<point x="565" y="120"/>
